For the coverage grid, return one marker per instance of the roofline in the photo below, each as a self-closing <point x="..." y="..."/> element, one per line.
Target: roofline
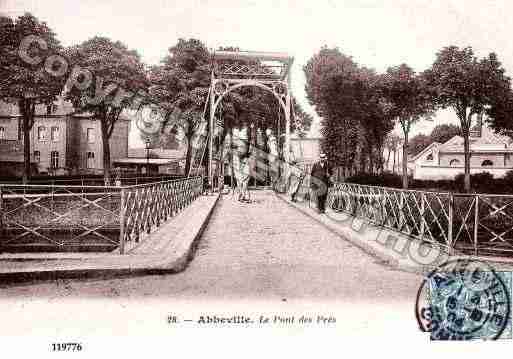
<point x="424" y="150"/>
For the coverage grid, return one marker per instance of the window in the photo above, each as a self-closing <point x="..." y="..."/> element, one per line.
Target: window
<point x="54" y="159"/>
<point x="54" y="133"/>
<point x="487" y="163"/>
<point x="37" y="156"/>
<point x="2" y="133"/>
<point x="429" y="157"/>
<point x="90" y="160"/>
<point x="90" y="135"/>
<point x="455" y="162"/>
<point x="41" y="133"/>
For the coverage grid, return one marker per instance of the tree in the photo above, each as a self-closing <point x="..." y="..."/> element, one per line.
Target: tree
<point x="329" y="75"/>
<point x="355" y="119"/>
<point x="467" y="85"/>
<point x="302" y="120"/>
<point x="500" y="113"/>
<point x="391" y="142"/>
<point x="180" y="84"/>
<point x="25" y="79"/>
<point x="418" y="143"/>
<point x="374" y="117"/>
<point x="444" y="132"/>
<point x="116" y="76"/>
<point x="408" y="101"/>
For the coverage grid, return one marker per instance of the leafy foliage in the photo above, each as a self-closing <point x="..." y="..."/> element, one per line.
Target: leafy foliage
<point x="117" y="74"/>
<point x="355" y="119"/>
<point x="408" y="100"/>
<point x="27" y="82"/>
<point x="469" y="86"/>
<point x="418" y="143"/>
<point x="444" y="132"/>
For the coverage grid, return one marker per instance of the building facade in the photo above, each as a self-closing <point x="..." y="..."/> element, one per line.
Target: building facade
<point x="489" y="152"/>
<point x="61" y="142"/>
<point x="153" y="161"/>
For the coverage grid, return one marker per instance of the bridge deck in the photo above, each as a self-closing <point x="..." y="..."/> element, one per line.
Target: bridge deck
<point x="268" y="248"/>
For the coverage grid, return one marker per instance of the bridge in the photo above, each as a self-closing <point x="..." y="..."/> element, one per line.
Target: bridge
<point x="120" y="224"/>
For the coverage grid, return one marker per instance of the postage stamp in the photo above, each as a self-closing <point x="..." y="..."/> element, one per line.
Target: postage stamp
<point x="465" y="299"/>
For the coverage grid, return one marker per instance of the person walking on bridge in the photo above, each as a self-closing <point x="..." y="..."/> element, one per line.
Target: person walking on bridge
<point x="320" y="181"/>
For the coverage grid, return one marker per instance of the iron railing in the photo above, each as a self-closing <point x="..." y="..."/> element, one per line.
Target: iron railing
<point x="145" y="207"/>
<point x="88" y="218"/>
<point x="478" y="224"/>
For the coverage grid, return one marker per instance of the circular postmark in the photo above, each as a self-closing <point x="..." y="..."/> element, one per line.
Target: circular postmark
<point x="464" y="299"/>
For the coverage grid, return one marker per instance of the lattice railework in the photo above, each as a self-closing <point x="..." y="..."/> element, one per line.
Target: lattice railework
<point x="477" y="224"/>
<point x="148" y="206"/>
<point x="359" y="201"/>
<point x="423" y="215"/>
<point x="484" y="223"/>
<point x="59" y="217"/>
<point x="223" y="86"/>
<point x="463" y="223"/>
<point x="435" y="217"/>
<point x="245" y="70"/>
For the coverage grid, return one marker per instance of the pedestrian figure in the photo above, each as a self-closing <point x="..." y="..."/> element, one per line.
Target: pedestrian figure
<point x="320" y="181"/>
<point x="244" y="180"/>
<point x="296" y="177"/>
<point x="241" y="166"/>
<point x="273" y="160"/>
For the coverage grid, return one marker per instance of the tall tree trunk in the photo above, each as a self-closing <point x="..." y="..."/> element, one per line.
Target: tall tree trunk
<point x="371" y="161"/>
<point x="466" y="148"/>
<point x="106" y="153"/>
<point x="27" y="109"/>
<point x="188" y="155"/>
<point x="388" y="159"/>
<point x="395" y="155"/>
<point x="231" y="156"/>
<point x="381" y="158"/>
<point x="405" y="161"/>
<point x="362" y="162"/>
<point x="26" y="150"/>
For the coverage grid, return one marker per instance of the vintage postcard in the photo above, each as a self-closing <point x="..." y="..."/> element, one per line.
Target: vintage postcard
<point x="256" y="178"/>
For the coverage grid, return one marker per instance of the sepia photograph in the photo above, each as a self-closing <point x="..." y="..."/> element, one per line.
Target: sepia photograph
<point x="247" y="178"/>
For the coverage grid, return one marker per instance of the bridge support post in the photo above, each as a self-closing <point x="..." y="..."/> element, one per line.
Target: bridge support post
<point x="211" y="136"/>
<point x="122" y="214"/>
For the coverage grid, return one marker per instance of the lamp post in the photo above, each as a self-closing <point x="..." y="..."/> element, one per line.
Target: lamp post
<point x="148" y="144"/>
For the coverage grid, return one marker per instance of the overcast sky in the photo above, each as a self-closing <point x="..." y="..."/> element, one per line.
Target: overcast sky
<point x="376" y="33"/>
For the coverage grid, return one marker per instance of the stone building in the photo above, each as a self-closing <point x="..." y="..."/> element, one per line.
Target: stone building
<point x="489" y="152"/>
<point x="61" y="142"/>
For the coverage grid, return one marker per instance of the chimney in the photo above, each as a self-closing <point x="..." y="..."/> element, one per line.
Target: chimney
<point x="477" y="130"/>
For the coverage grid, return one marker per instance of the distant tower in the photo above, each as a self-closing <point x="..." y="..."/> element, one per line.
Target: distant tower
<point x="477" y="130"/>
